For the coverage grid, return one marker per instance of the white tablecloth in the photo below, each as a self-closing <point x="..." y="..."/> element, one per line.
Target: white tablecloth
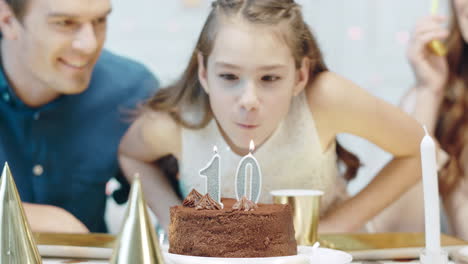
<point x="390" y="262"/>
<point x="61" y="261"/>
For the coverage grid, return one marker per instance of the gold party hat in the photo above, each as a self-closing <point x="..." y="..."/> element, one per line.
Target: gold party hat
<point x="17" y="245"/>
<point x="137" y="242"/>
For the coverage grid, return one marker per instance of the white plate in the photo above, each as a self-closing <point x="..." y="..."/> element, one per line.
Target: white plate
<point x="74" y="252"/>
<point x="62" y="261"/>
<point x="461" y="255"/>
<point x="305" y="256"/>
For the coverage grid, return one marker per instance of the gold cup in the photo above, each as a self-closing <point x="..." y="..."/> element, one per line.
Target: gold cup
<point x="306" y="212"/>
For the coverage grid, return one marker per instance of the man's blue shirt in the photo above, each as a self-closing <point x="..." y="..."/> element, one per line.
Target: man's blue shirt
<point x="65" y="152"/>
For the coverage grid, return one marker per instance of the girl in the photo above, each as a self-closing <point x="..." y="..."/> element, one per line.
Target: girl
<point x="257" y="74"/>
<point x="439" y="99"/>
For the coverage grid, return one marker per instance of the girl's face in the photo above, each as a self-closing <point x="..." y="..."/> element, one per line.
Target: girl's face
<point x="461" y="10"/>
<point x="250" y="78"/>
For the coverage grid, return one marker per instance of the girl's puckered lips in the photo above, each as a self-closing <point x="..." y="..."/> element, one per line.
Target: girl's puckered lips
<point x="247" y="126"/>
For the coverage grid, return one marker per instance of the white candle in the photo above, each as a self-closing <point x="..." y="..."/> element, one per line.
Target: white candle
<point x="213" y="179"/>
<point x="249" y="164"/>
<point x="431" y="194"/>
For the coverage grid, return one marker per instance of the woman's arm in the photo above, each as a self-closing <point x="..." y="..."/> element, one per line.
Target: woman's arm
<point x="52" y="219"/>
<point x="423" y="102"/>
<point x="151" y="137"/>
<point x="340" y="106"/>
<point x="431" y="72"/>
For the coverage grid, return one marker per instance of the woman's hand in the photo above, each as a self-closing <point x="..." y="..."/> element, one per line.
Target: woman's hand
<point x="431" y="70"/>
<point x="328" y="226"/>
<point x="52" y="219"/>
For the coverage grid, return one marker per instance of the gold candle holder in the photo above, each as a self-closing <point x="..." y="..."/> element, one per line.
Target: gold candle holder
<point x="306" y="212"/>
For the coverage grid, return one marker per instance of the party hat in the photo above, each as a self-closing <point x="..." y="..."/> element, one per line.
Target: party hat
<point x="17" y="245"/>
<point x="137" y="242"/>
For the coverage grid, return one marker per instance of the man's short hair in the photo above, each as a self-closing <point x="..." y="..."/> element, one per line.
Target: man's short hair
<point x="18" y="7"/>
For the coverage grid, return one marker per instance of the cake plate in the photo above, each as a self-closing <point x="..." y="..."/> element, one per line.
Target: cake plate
<point x="306" y="255"/>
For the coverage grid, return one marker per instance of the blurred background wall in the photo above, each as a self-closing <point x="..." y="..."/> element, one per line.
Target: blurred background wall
<point x="363" y="40"/>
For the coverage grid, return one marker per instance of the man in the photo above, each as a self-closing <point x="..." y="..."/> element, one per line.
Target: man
<point x="62" y="109"/>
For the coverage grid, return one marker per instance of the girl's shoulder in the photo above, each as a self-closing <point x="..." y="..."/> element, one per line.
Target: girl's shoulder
<point x="328" y="91"/>
<point x="322" y="100"/>
<point x="334" y="101"/>
<point x="161" y="131"/>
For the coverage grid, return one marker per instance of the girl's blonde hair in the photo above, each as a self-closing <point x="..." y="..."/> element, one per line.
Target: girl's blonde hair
<point x="187" y="91"/>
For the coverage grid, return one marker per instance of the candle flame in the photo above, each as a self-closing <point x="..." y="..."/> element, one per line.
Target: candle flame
<point x="252" y="146"/>
<point x="215" y="150"/>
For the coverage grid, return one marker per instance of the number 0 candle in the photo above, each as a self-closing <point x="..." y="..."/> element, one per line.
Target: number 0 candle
<point x="248" y="165"/>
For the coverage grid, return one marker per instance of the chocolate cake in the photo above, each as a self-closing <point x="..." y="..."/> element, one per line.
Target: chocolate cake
<point x="238" y="230"/>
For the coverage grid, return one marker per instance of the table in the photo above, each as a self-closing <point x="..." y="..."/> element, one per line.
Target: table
<point x="361" y="246"/>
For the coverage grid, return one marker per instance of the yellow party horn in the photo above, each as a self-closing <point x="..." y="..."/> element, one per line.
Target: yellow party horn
<point x="436" y="46"/>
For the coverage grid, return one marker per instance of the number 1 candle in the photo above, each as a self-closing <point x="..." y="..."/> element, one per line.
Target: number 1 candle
<point x="213" y="179"/>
